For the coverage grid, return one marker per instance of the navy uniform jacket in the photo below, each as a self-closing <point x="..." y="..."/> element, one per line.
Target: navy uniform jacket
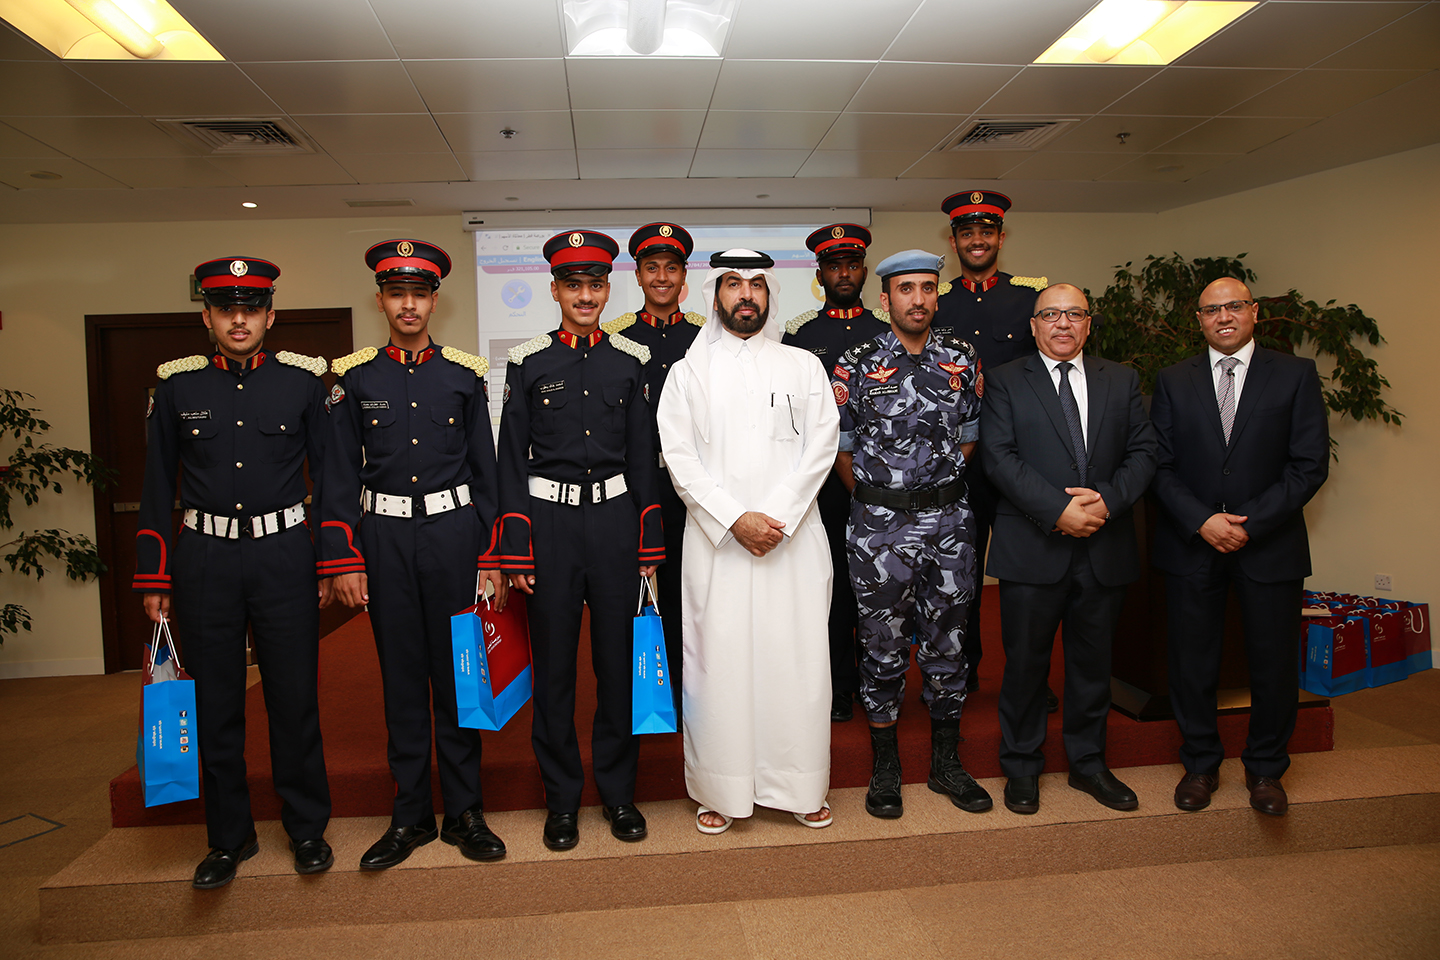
<point x="667" y="340"/>
<point x="406" y="424"/>
<point x="994" y="315"/>
<point x="830" y="332"/>
<point x="243" y="431"/>
<point x="575" y="412"/>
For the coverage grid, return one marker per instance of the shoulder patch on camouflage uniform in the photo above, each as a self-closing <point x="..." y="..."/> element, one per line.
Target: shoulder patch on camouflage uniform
<point x="480" y="365"/>
<point x="184" y="365"/>
<point x="351" y="360"/>
<point x="956" y="343"/>
<point x="1034" y="283"/>
<point x="858" y="352"/>
<point x="793" y="325"/>
<point x="315" y="365"/>
<point x="944" y="288"/>
<point x="625" y="345"/>
<point x="518" y="354"/>
<point x="698" y="319"/>
<point x="619" y="323"/>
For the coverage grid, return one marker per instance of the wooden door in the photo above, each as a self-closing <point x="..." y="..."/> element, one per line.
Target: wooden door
<point x="122" y="352"/>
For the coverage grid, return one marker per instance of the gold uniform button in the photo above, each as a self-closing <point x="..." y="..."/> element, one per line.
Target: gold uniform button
<point x="1009" y="336"/>
<point x="238" y="464"/>
<point x="374" y="423"/>
<point x="977" y="333"/>
<point x="414" y="479"/>
<point x="587" y="433"/>
<point x="664" y="366"/>
<point x="587" y="473"/>
<point x="194" y="433"/>
<point x="239" y="506"/>
<point x="412" y="369"/>
<point x="282" y="428"/>
<point x="452" y="419"/>
<point x="414" y="404"/>
<point x="546" y="402"/>
<point x="413" y="441"/>
<point x="239" y="423"/>
<point x="587" y="393"/>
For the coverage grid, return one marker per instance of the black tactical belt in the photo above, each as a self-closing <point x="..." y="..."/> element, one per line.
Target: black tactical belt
<point x="928" y="498"/>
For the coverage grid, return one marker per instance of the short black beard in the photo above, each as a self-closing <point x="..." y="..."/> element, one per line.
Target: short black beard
<point x="735" y="325"/>
<point x="841" y="301"/>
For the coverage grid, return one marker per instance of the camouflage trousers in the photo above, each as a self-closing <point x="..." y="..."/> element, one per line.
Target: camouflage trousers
<point x="914" y="576"/>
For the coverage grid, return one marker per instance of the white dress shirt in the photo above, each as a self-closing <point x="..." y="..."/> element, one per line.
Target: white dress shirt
<point x="1077" y="387"/>
<point x="1244" y="354"/>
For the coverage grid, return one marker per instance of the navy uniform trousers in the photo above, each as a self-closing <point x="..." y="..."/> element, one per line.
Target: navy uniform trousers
<point x="220" y="585"/>
<point x="422" y="571"/>
<point x="584" y="556"/>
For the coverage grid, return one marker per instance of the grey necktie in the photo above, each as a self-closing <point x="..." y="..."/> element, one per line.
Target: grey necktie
<point x="1225" y="395"/>
<point x="1072" y="418"/>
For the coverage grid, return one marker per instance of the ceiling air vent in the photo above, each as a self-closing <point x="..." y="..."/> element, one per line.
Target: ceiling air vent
<point x="241" y="137"/>
<point x="1008" y="134"/>
<point x="397" y="202"/>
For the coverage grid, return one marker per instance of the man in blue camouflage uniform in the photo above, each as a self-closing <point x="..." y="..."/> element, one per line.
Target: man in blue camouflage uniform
<point x="909" y="418"/>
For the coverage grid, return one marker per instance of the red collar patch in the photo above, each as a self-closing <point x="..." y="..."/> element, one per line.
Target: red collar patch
<point x="400" y="355"/>
<point x="573" y="342"/>
<point x="223" y="362"/>
<point x="655" y="321"/>
<point x="983" y="285"/>
<point x="882" y="374"/>
<point x="848" y="314"/>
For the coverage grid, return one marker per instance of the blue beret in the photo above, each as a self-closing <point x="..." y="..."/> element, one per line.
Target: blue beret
<point x="910" y="261"/>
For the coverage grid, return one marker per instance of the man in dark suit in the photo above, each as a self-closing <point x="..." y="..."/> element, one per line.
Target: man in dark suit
<point x="1069" y="449"/>
<point x="1244" y="445"/>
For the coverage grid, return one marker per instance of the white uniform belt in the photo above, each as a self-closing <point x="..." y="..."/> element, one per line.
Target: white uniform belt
<point x="231" y="528"/>
<point x="576" y="493"/>
<point x="391" y="505"/>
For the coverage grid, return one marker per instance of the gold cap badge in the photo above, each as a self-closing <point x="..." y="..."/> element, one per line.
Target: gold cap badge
<point x="577" y="239"/>
<point x="977" y="197"/>
<point x="665" y="230"/>
<point x="405" y="248"/>
<point x="239" y="268"/>
<point x="837" y="232"/>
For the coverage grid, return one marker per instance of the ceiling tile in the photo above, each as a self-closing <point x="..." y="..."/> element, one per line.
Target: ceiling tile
<point x="764" y="130"/>
<point x="312" y="30"/>
<point x="338" y="86"/>
<point x="1292" y="34"/>
<point x="480" y="132"/>
<point x="446" y="29"/>
<point x="977" y="165"/>
<point x="1176" y="167"/>
<point x="74" y="175"/>
<point x="633" y="164"/>
<point x="1234" y="134"/>
<point x="835" y="30"/>
<point x="90" y="137"/>
<point x="53" y="90"/>
<point x="521" y="165"/>
<point x="813" y="85"/>
<point x="375" y="133"/>
<point x="1412" y="43"/>
<point x="1066" y="166"/>
<point x="747" y="163"/>
<point x="16" y="46"/>
<point x="961" y="31"/>
<point x="401" y="167"/>
<point x="930" y="87"/>
<point x="17" y="146"/>
<point x="619" y="129"/>
<point x="1100" y="135"/>
<point x="658" y="84"/>
<point x="889" y="131"/>
<point x="1320" y="93"/>
<point x="283" y="171"/>
<point x="885" y="164"/>
<point x="175" y="89"/>
<point x="484" y="86"/>
<point x="166" y="172"/>
<point x="1197" y="91"/>
<point x="1058" y="91"/>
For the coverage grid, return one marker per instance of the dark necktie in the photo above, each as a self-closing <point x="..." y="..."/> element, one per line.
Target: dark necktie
<point x="1072" y="419"/>
<point x="1225" y="395"/>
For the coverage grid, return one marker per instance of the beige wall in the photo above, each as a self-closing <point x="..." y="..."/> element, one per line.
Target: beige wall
<point x="1368" y="234"/>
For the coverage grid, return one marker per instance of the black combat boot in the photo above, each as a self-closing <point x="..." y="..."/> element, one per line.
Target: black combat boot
<point x="883" y="797"/>
<point x="947" y="775"/>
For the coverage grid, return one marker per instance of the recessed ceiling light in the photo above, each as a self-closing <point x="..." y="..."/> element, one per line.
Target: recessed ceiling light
<point x="249" y="205"/>
<point x="661" y="28"/>
<point x="108" y="29"/>
<point x="1142" y="31"/>
<point x="45" y="175"/>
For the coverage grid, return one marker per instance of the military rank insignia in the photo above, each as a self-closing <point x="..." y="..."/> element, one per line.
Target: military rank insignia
<point x="954" y="369"/>
<point x="337" y="393"/>
<point x="882" y="374"/>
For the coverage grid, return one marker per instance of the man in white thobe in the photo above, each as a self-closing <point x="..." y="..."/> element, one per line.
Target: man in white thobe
<point x="749" y="430"/>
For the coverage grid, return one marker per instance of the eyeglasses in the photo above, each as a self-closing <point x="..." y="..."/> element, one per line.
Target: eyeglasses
<point x="1074" y="313"/>
<point x="1234" y="306"/>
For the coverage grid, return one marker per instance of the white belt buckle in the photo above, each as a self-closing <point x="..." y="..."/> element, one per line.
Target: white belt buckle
<point x="440" y="502"/>
<point x="389" y="506"/>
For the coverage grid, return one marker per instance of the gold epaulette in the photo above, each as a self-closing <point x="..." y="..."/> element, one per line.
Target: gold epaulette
<point x="881" y="315"/>
<point x="480" y="365"/>
<point x="315" y="365"/>
<point x="619" y="323"/>
<point x="625" y="345"/>
<point x="793" y="325"/>
<point x="184" y="365"/>
<point x="518" y="354"/>
<point x="944" y="288"/>
<point x="698" y="319"/>
<point x="1034" y="283"/>
<point x="348" y="362"/>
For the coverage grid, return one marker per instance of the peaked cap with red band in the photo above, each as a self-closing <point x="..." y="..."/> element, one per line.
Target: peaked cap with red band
<point x="408" y="260"/>
<point x="976" y="206"/>
<point x="580" y="251"/>
<point x="656" y="238"/>
<point x="839" y="240"/>
<point x="237" y="280"/>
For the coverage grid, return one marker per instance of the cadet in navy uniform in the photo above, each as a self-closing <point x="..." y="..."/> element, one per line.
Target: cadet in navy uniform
<point x="661" y="251"/>
<point x="827" y="333"/>
<point x="579" y="516"/>
<point x="909" y="420"/>
<point x="409" y="500"/>
<point x="991" y="310"/>
<point x="242" y="423"/>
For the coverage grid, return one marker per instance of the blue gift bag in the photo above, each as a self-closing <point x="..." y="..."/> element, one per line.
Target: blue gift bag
<point x="493" y="676"/>
<point x="652" y="697"/>
<point x="168" y="752"/>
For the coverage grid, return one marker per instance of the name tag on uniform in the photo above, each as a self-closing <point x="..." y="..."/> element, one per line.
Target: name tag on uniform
<point x="884" y="390"/>
<point x="194" y="414"/>
<point x="819" y="351"/>
<point x="374" y="404"/>
<point x="552" y="387"/>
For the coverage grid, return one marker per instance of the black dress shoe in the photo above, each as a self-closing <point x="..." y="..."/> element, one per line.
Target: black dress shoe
<point x="312" y="856"/>
<point x="397" y="844"/>
<point x="1194" y="789"/>
<point x="841" y="707"/>
<point x="1052" y="702"/>
<point x="218" y="867"/>
<point x="1022" y="795"/>
<point x="1107" y="789"/>
<point x="472" y="836"/>
<point x="562" y="830"/>
<point x="626" y="822"/>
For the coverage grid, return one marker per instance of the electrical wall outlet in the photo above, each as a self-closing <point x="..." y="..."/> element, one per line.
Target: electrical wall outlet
<point x="1382" y="581"/>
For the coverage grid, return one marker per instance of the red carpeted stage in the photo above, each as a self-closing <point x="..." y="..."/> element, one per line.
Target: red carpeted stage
<point x="353" y="723"/>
